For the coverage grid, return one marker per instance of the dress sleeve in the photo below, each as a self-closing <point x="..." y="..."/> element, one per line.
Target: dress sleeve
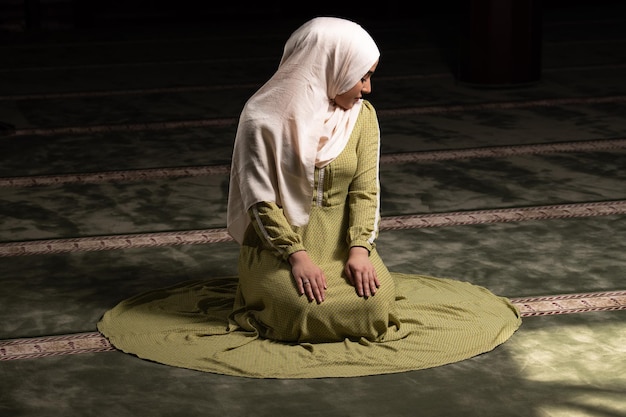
<point x="272" y="227"/>
<point x="364" y="193"/>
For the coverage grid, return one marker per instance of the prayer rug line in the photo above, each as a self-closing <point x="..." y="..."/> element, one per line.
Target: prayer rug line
<point x="395" y="158"/>
<point x="198" y="123"/>
<point x="220" y="87"/>
<point x="208" y="236"/>
<point x="138" y="64"/>
<point x="181" y="89"/>
<point x="91" y="342"/>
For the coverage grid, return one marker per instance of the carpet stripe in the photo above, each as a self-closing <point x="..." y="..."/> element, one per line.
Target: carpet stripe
<point x="181" y="89"/>
<point x="221" y="87"/>
<point x="90" y="342"/>
<point x="140" y="64"/>
<point x="571" y="303"/>
<point x="125" y="92"/>
<point x="127" y="127"/>
<point x="186" y="124"/>
<point x="559" y="211"/>
<point x="101" y="243"/>
<point x="501" y="105"/>
<point x="396" y="158"/>
<point x="41" y="347"/>
<point x="114" y="176"/>
<point x="206" y="236"/>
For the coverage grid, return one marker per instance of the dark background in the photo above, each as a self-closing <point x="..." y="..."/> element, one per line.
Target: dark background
<point x="34" y="15"/>
<point x="490" y="43"/>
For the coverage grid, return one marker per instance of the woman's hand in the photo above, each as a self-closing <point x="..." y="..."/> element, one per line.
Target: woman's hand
<point x="309" y="277"/>
<point x="361" y="272"/>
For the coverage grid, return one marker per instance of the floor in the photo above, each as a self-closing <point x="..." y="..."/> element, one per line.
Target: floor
<point x="114" y="153"/>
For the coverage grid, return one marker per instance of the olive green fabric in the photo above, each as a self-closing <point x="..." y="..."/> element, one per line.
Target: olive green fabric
<point x="443" y="321"/>
<point x="257" y="325"/>
<point x="343" y="214"/>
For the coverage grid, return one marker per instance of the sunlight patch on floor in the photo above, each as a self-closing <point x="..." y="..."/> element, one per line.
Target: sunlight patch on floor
<point x="579" y="369"/>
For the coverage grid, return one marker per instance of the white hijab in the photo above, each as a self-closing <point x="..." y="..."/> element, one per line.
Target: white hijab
<point x="290" y="124"/>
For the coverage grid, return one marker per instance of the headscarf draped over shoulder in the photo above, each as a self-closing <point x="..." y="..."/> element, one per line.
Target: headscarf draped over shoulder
<point x="290" y="124"/>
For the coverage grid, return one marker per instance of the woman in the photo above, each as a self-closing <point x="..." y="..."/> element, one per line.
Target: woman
<point x="298" y="176"/>
<point x="313" y="298"/>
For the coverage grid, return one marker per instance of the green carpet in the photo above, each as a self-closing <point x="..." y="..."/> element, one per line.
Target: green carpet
<point x="123" y="137"/>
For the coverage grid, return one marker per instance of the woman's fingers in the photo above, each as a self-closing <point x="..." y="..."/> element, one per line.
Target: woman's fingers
<point x="361" y="273"/>
<point x="364" y="281"/>
<point x="314" y="288"/>
<point x="310" y="278"/>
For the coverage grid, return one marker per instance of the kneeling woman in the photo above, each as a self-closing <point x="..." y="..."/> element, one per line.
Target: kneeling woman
<point x="313" y="297"/>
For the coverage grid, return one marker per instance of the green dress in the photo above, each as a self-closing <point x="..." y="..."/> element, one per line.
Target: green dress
<point x="257" y="325"/>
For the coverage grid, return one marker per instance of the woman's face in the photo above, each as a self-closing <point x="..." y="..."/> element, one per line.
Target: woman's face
<point x="348" y="99"/>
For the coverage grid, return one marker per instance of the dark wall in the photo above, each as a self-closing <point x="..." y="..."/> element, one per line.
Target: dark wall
<point x="62" y="14"/>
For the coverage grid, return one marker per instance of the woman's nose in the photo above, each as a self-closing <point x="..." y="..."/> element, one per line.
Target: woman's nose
<point x="367" y="87"/>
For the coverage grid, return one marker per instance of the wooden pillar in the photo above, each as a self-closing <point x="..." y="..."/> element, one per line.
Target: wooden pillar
<point x="500" y="42"/>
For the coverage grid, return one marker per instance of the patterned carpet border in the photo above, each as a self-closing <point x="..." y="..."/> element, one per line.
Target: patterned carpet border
<point x="560" y="211"/>
<point x="505" y="151"/>
<point x="187" y="124"/>
<point x="100" y="243"/>
<point x="72" y="344"/>
<point x="114" y="176"/>
<point x="571" y="303"/>
<point x="206" y="236"/>
<point x="396" y="158"/>
<point x="41" y="347"/>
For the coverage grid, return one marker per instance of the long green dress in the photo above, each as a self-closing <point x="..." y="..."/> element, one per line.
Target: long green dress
<point x="257" y="325"/>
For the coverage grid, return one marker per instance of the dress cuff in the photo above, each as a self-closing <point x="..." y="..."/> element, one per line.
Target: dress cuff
<point x="293" y="249"/>
<point x="363" y="243"/>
